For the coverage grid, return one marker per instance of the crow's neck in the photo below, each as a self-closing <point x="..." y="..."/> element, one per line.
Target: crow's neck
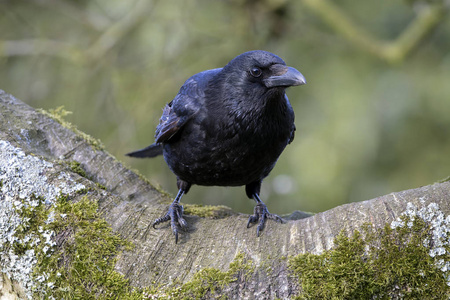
<point x="245" y="103"/>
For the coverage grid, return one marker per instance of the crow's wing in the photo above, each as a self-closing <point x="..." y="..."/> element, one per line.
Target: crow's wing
<point x="292" y="116"/>
<point x="186" y="104"/>
<point x="291" y="138"/>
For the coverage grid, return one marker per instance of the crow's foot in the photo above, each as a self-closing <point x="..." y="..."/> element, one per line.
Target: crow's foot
<point x="175" y="215"/>
<point x="261" y="213"/>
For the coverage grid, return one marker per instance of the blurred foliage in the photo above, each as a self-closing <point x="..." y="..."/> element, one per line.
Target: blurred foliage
<point x="374" y="117"/>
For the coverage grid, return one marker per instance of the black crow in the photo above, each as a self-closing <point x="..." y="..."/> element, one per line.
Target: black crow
<point x="227" y="127"/>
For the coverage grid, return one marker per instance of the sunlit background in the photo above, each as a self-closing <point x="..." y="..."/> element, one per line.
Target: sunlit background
<point x="374" y="117"/>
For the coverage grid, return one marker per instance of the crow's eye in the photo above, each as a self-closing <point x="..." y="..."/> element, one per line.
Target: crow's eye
<point x="255" y="72"/>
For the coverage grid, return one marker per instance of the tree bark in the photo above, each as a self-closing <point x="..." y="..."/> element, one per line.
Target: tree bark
<point x="130" y="205"/>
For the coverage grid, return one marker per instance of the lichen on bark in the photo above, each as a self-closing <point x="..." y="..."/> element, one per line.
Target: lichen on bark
<point x="407" y="259"/>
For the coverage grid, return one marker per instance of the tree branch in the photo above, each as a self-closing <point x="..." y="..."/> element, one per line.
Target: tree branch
<point x="119" y="30"/>
<point x="43" y="156"/>
<point x="429" y="16"/>
<point x="107" y="40"/>
<point x="39" y="47"/>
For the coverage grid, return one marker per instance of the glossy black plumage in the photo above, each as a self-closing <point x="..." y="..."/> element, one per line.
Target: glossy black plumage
<point x="227" y="127"/>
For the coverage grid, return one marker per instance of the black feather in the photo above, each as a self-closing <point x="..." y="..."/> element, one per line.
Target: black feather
<point x="150" y="151"/>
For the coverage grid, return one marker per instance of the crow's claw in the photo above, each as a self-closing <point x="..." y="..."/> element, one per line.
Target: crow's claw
<point x="261" y="213"/>
<point x="175" y="215"/>
<point x="252" y="219"/>
<point x="161" y="220"/>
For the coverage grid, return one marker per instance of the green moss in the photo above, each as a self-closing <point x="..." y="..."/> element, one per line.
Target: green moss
<point x="209" y="282"/>
<point x="210" y="211"/>
<point x="78" y="262"/>
<point x="383" y="264"/>
<point x="100" y="186"/>
<point x="83" y="191"/>
<point x="444" y="180"/>
<point x="76" y="249"/>
<point x="76" y="168"/>
<point x="242" y="267"/>
<point x="58" y="115"/>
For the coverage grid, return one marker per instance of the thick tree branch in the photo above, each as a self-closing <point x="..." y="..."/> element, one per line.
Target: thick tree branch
<point x="62" y="161"/>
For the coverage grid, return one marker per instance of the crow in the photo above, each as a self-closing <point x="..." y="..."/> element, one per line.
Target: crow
<point x="227" y="127"/>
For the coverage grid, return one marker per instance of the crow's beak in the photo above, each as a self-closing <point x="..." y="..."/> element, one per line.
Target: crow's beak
<point x="284" y="77"/>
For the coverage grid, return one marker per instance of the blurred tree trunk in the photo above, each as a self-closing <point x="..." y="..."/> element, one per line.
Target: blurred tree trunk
<point x="130" y="204"/>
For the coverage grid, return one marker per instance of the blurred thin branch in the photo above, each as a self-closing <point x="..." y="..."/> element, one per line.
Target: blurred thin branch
<point x="428" y="17"/>
<point x="119" y="30"/>
<point x="74" y="53"/>
<point x="73" y="11"/>
<point x="39" y="47"/>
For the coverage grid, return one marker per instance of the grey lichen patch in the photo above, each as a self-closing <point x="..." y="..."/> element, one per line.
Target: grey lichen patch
<point x="53" y="247"/>
<point x="208" y="211"/>
<point x="23" y="179"/>
<point x="437" y="240"/>
<point x="407" y="259"/>
<point x="22" y="175"/>
<point x="58" y="115"/>
<point x="79" y="263"/>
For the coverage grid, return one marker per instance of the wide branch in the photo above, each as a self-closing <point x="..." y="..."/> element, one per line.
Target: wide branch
<point x="69" y="162"/>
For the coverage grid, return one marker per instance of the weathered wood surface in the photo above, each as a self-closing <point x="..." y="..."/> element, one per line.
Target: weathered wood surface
<point x="130" y="205"/>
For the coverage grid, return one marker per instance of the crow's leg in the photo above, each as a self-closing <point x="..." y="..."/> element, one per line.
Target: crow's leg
<point x="261" y="213"/>
<point x="175" y="215"/>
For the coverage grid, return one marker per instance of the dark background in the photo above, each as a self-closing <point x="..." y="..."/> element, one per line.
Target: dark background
<point x="374" y="117"/>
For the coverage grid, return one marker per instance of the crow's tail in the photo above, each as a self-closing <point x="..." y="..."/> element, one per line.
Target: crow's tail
<point x="150" y="151"/>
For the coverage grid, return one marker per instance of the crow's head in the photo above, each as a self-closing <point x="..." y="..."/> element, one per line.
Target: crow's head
<point x="255" y="73"/>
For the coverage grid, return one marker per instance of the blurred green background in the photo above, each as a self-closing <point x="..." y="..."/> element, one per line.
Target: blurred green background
<point x="374" y="117"/>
